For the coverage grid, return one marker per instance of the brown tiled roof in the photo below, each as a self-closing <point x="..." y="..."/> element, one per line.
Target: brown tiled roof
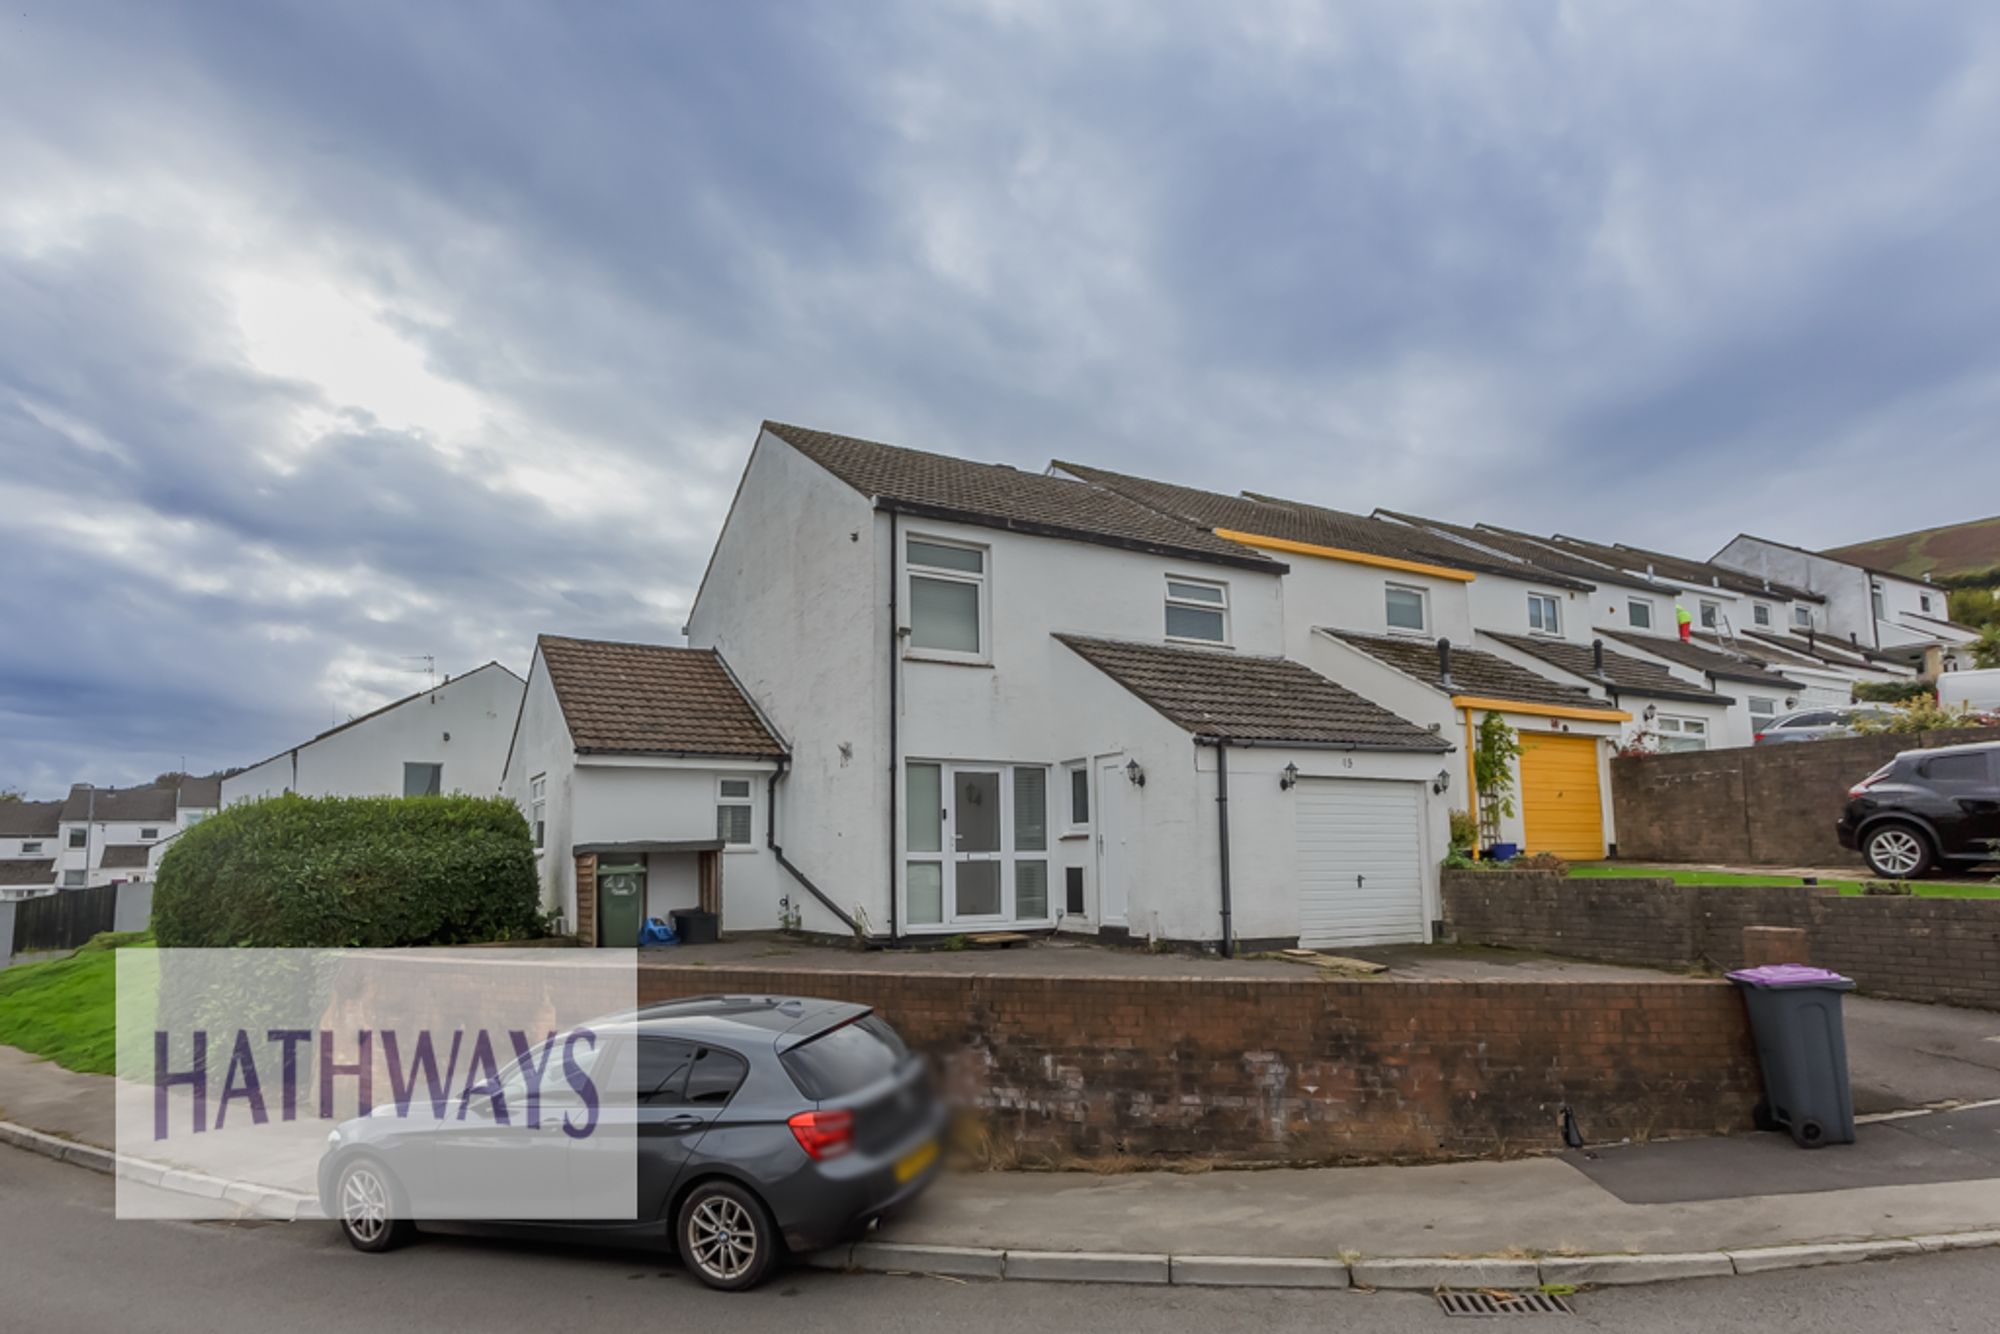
<point x="1537" y="556"/>
<point x="649" y="699"/>
<point x="121" y="803"/>
<point x="30" y="819"/>
<point x="1473" y="671"/>
<point x="995" y="496"/>
<point x="16" y="874"/>
<point x="1707" y="657"/>
<point x="202" y="793"/>
<point x="1690" y="573"/>
<point x="125" y="856"/>
<point x="1825" y="649"/>
<point x="1628" y="675"/>
<point x="1403" y="541"/>
<point x="1226" y="696"/>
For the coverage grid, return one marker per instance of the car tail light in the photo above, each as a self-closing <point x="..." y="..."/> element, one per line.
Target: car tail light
<point x="823" y="1134"/>
<point x="1758" y="737"/>
<point x="1870" y="781"/>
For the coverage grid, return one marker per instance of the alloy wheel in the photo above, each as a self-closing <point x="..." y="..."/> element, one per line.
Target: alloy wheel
<point x="723" y="1238"/>
<point x="364" y="1205"/>
<point x="1895" y="852"/>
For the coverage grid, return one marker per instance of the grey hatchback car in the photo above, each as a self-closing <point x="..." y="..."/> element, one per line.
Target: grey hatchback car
<point x="1819" y="724"/>
<point x="764" y="1125"/>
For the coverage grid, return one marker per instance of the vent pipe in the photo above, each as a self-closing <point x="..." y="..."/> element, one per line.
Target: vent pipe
<point x="1444" y="666"/>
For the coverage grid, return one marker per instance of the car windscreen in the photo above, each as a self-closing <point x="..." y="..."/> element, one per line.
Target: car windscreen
<point x="845" y="1060"/>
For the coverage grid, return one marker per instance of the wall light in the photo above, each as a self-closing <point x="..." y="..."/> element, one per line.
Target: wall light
<point x="1442" y="783"/>
<point x="1288" y="778"/>
<point x="1135" y="774"/>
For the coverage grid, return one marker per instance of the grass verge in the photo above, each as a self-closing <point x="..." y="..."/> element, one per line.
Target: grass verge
<point x="66" y="1009"/>
<point x="1931" y="889"/>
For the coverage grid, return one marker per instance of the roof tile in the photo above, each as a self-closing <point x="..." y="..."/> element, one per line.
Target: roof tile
<point x="650" y="699"/>
<point x="1630" y="675"/>
<point x="1716" y="661"/>
<point x="1473" y="671"/>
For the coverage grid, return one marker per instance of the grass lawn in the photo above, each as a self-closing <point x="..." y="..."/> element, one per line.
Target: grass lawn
<point x="1971" y="888"/>
<point x="66" y="1009"/>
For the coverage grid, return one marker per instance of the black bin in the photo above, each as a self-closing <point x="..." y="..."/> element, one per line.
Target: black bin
<point x="1802" y="1046"/>
<point x="695" y="927"/>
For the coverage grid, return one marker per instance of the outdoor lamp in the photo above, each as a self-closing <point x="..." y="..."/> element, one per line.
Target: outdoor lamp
<point x="1288" y="777"/>
<point x="1441" y="783"/>
<point x="1135" y="774"/>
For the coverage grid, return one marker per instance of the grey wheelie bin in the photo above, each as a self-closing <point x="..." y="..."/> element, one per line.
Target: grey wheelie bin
<point x="1795" y="1014"/>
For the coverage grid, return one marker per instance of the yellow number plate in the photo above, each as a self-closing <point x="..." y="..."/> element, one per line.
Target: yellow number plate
<point x="914" y="1163"/>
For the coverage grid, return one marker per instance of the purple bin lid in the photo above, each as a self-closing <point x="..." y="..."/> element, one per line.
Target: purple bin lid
<point x="1790" y="975"/>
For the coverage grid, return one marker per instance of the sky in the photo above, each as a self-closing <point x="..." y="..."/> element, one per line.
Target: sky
<point x="335" y="336"/>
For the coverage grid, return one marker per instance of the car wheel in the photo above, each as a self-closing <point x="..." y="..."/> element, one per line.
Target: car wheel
<point x="369" y="1202"/>
<point x="1897" y="851"/>
<point x="726" y="1237"/>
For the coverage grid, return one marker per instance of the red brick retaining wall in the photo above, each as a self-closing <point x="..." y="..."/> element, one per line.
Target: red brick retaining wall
<point x="1755" y="805"/>
<point x="1903" y="947"/>
<point x="1305" y="1070"/>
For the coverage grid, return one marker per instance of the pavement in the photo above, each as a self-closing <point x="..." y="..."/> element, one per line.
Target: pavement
<point x="59" y="1229"/>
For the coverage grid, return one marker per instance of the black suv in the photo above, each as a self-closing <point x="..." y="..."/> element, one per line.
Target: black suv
<point x="1926" y="807"/>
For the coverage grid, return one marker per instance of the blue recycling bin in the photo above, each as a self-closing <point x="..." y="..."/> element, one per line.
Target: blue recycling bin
<point x="1802" y="1047"/>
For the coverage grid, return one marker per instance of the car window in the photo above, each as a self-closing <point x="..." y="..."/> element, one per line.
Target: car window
<point x="1808" y="720"/>
<point x="663" y="1070"/>
<point x="846" y="1059"/>
<point x="713" y="1078"/>
<point x="1955" y="770"/>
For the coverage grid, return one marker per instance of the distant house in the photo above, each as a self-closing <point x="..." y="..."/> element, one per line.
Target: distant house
<point x="1888" y="616"/>
<point x="111" y="835"/>
<point x="643" y="771"/>
<point x="30" y="834"/>
<point x="450" y="738"/>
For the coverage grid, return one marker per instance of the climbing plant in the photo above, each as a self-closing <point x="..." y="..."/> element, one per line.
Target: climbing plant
<point x="1493" y="757"/>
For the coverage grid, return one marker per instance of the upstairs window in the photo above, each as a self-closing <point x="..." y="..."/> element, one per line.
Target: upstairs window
<point x="1639" y="611"/>
<point x="31" y="848"/>
<point x="947" y="598"/>
<point x="149" y="833"/>
<point x="1802" y="617"/>
<point x="79" y="837"/>
<point x="1711" y="614"/>
<point x="1924" y="603"/>
<point x="538" y="805"/>
<point x="732" y="811"/>
<point x="1405" y="609"/>
<point x="1875" y="599"/>
<point x="1761" y="613"/>
<point x="1544" y="614"/>
<point x="423" y="780"/>
<point x="1197" y="609"/>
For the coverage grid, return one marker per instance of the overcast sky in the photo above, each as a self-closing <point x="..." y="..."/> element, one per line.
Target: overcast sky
<point x="335" y="334"/>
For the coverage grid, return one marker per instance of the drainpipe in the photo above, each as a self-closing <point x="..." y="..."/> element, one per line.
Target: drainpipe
<point x="771" y="842"/>
<point x="1221" y="745"/>
<point x="895" y="640"/>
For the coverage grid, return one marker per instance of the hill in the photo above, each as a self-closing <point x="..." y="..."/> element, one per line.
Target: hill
<point x="1957" y="554"/>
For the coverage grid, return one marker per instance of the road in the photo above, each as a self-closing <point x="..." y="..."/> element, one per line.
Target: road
<point x="66" y="1263"/>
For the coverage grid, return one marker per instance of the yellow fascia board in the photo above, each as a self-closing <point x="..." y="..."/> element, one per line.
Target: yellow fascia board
<point x="1338" y="553"/>
<point x="1604" y="715"/>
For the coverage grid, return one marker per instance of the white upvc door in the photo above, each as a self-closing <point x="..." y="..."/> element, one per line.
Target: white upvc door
<point x="1113" y="850"/>
<point x="976" y="821"/>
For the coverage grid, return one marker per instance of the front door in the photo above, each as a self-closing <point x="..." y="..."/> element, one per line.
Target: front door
<point x="1562" y="810"/>
<point x="1113" y="853"/>
<point x="621" y="905"/>
<point x="976" y="827"/>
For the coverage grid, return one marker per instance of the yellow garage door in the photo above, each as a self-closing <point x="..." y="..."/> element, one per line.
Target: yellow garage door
<point x="1560" y="799"/>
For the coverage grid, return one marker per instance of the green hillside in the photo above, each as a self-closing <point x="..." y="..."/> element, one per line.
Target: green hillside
<point x="1959" y="554"/>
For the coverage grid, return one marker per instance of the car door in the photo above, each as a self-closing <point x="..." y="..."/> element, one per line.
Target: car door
<point x="491" y="1161"/>
<point x="1968" y="801"/>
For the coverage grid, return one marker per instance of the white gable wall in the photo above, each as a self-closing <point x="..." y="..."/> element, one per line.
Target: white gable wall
<point x="542" y="747"/>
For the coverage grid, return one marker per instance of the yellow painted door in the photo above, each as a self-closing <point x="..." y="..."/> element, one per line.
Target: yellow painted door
<point x="1561" y="802"/>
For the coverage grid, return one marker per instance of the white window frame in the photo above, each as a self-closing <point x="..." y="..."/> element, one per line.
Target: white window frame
<point x="1802" y="616"/>
<point x="981" y="580"/>
<point x="727" y="800"/>
<point x="1220" y="607"/>
<point x="1708" y="614"/>
<point x="77" y="838"/>
<point x="149" y="833"/>
<point x="1071" y="826"/>
<point x="1766" y="714"/>
<point x="538" y="810"/>
<point x="1878" y="601"/>
<point x="1423" y="608"/>
<point x="947" y="858"/>
<point x="74" y="878"/>
<point x="1681" y="727"/>
<point x="31" y="847"/>
<point x="1760" y="614"/>
<point x="1924" y="603"/>
<point x="1552" y="618"/>
<point x="1632" y="604"/>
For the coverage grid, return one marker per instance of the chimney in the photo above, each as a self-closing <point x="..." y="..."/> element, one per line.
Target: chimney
<point x="1597" y="658"/>
<point x="1444" y="665"/>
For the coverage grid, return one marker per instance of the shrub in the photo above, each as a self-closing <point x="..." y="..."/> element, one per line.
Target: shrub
<point x="1464" y="830"/>
<point x="1893" y="692"/>
<point x="350" y="871"/>
<point x="1923" y="715"/>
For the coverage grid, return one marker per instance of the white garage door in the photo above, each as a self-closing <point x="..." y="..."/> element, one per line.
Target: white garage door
<point x="1360" y="860"/>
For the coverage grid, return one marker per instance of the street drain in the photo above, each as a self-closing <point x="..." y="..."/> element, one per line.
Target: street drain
<point x="1502" y="1303"/>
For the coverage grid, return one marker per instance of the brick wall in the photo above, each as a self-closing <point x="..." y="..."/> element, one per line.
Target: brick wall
<point x="1902" y="947"/>
<point x="1305" y="1070"/>
<point x="1755" y="805"/>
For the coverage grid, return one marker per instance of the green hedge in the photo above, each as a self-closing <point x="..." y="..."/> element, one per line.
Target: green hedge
<point x="1893" y="692"/>
<point x="350" y="871"/>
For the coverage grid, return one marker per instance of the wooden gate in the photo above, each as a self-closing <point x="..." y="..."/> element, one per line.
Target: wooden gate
<point x="63" y="920"/>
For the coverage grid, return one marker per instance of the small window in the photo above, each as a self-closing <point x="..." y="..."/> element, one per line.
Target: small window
<point x="1924" y="603"/>
<point x="148" y="833"/>
<point x="1875" y="600"/>
<point x="1762" y="710"/>
<point x="72" y="880"/>
<point x="1073" y="890"/>
<point x="1197" y="610"/>
<point x="947" y="595"/>
<point x="1761" y="613"/>
<point x="1711" y="615"/>
<point x="1079" y="796"/>
<point x="423" y="780"/>
<point x="1802" y="617"/>
<point x="1405" y="609"/>
<point x="79" y="837"/>
<point x="732" y="812"/>
<point x="713" y="1078"/>
<point x="1639" y="611"/>
<point x="538" y="806"/>
<point x="31" y="848"/>
<point x="1956" y="770"/>
<point x="1682" y="733"/>
<point x="1544" y="614"/>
